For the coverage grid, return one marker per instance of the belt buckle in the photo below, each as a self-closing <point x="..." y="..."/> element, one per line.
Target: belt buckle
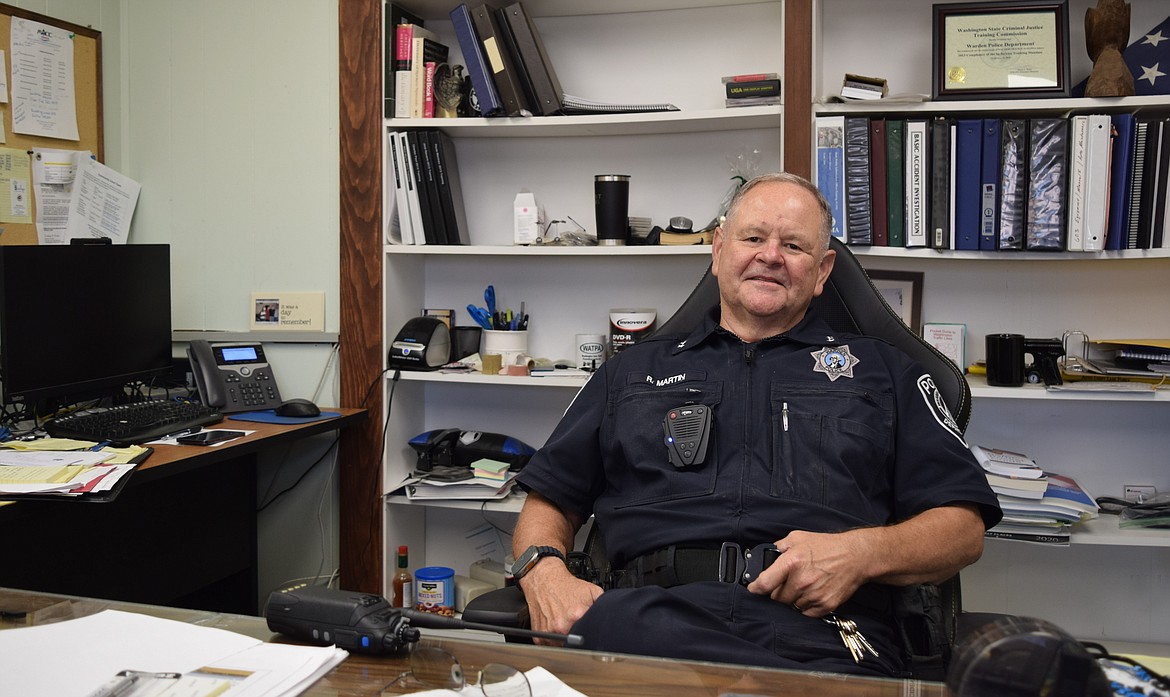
<point x="756" y="560"/>
<point x="731" y="565"/>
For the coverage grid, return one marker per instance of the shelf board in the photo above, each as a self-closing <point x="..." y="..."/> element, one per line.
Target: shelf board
<point x="440" y="9"/>
<point x="549" y="250"/>
<point x="494" y="380"/>
<point x="980" y="389"/>
<point x="953" y="254"/>
<point x="512" y="504"/>
<point x="1103" y="531"/>
<point x="654" y="123"/>
<point x="995" y="106"/>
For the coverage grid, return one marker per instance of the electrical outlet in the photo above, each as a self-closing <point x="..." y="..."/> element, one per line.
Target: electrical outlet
<point x="1138" y="493"/>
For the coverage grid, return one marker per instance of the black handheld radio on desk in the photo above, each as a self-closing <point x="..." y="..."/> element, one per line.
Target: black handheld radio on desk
<point x="364" y="622"/>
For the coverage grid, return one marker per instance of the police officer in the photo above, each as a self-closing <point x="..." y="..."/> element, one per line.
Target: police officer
<point x="831" y="448"/>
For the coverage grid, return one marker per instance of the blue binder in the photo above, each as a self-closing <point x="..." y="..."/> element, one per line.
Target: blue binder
<point x="477" y="69"/>
<point x="1121" y="177"/>
<point x="989" y="185"/>
<point x="968" y="174"/>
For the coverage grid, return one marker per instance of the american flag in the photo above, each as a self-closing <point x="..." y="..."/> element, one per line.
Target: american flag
<point x="1148" y="59"/>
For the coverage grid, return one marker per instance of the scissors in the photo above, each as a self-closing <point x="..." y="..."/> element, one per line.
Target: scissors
<point x="489" y="299"/>
<point x="480" y="316"/>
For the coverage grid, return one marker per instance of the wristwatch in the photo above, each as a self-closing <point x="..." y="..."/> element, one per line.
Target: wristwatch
<point x="533" y="554"/>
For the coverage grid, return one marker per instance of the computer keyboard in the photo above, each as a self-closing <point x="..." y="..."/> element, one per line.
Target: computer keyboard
<point x="128" y="424"/>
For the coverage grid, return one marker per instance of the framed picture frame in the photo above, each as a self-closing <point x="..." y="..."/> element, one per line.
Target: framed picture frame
<point x="1000" y="50"/>
<point x="902" y="290"/>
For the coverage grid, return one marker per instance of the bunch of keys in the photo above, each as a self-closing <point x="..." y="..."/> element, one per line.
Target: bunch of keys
<point x="852" y="637"/>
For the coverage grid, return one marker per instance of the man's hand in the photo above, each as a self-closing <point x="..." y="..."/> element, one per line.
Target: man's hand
<point x="817" y="572"/>
<point x="556" y="598"/>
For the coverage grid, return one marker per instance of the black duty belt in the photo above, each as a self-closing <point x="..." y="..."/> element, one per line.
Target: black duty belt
<point x="730" y="563"/>
<point x="679" y="564"/>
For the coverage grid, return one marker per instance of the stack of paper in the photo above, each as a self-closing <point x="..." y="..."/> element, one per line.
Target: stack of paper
<point x="491" y="470"/>
<point x="77" y="657"/>
<point x="474" y="488"/>
<point x="59" y="473"/>
<point x="1038" y="506"/>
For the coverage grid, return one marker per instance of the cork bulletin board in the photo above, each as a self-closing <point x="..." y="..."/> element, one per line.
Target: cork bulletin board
<point x="87" y="78"/>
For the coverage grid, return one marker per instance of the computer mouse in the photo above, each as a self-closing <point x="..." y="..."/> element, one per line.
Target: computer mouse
<point x="298" y="407"/>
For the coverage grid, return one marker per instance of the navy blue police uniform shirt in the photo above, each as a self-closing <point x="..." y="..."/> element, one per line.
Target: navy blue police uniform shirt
<point x="811" y="430"/>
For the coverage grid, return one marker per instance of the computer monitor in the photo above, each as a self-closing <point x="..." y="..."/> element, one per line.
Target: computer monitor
<point x="80" y="321"/>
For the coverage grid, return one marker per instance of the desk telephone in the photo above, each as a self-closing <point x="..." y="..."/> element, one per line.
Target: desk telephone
<point x="233" y="376"/>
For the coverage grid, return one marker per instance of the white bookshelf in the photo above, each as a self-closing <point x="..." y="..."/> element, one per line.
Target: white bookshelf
<point x="1108" y="584"/>
<point x="680" y="163"/>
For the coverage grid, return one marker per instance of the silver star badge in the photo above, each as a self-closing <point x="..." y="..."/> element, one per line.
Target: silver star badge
<point x="834" y="361"/>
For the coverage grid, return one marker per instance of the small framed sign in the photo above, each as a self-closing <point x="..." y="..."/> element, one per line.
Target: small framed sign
<point x="1000" y="50"/>
<point x="902" y="290"/>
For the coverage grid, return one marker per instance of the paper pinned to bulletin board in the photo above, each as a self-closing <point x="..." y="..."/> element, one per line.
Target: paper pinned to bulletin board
<point x="61" y="115"/>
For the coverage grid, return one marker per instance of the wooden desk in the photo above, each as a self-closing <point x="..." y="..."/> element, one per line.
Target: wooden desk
<point x="182" y="532"/>
<point x="595" y="674"/>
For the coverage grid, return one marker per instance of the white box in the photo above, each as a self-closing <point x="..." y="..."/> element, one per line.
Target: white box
<point x="949" y="339"/>
<point x="526" y="218"/>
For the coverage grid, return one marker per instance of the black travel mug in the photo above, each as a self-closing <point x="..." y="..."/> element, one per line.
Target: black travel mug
<point x="611" y="194"/>
<point x="1005" y="360"/>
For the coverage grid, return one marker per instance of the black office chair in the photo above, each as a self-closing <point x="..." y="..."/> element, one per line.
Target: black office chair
<point x="933" y="619"/>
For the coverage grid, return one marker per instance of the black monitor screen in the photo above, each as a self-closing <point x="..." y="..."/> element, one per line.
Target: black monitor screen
<point x="79" y="321"/>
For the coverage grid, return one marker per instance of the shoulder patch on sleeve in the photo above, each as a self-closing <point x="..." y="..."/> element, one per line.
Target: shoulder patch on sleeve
<point x="938" y="408"/>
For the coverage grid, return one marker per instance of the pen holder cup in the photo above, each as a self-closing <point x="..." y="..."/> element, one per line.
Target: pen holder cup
<point x="509" y="345"/>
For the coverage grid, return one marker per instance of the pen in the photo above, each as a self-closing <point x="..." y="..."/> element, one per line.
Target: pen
<point x="115" y="686"/>
<point x="184" y="432"/>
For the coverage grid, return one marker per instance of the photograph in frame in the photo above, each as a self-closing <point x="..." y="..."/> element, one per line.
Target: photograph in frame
<point x="902" y="291"/>
<point x="1000" y="50"/>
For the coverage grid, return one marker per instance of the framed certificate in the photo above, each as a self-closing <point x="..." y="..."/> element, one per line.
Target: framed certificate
<point x="998" y="50"/>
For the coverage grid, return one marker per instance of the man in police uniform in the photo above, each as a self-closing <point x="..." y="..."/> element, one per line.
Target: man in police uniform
<point x="830" y="447"/>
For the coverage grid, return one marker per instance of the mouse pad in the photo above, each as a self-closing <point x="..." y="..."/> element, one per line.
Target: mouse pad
<point x="268" y="416"/>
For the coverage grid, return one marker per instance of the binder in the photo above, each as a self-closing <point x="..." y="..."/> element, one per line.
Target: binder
<point x="877" y="180"/>
<point x="1097" y="178"/>
<point x="437" y="233"/>
<point x="917" y="164"/>
<point x="1120" y="180"/>
<point x="450" y="189"/>
<point x="940" y="183"/>
<point x="499" y="60"/>
<point x="401" y="185"/>
<point x="1152" y="211"/>
<point x="858" y="213"/>
<point x="1141" y="128"/>
<point x="1077" y="181"/>
<point x="1158" y="230"/>
<point x="830" y="174"/>
<point x="1013" y="183"/>
<point x="420" y="198"/>
<point x="896" y="181"/>
<point x="542" y="87"/>
<point x="482" y="83"/>
<point x="1047" y="184"/>
<point x="968" y="203"/>
<point x="989" y="182"/>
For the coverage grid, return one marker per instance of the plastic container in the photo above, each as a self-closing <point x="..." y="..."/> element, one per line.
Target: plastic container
<point x="434" y="590"/>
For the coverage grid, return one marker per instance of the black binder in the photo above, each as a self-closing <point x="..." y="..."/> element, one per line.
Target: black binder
<point x="539" y="80"/>
<point x="495" y="50"/>
<point x="858" y="203"/>
<point x="1013" y="185"/>
<point x="940" y="182"/>
<point x="1047" y="184"/>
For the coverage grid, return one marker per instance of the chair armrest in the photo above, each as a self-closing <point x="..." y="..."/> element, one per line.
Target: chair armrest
<point x="504" y="607"/>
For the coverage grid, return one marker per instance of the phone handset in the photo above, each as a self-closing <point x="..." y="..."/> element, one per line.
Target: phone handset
<point x="233" y="376"/>
<point x="207" y="381"/>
